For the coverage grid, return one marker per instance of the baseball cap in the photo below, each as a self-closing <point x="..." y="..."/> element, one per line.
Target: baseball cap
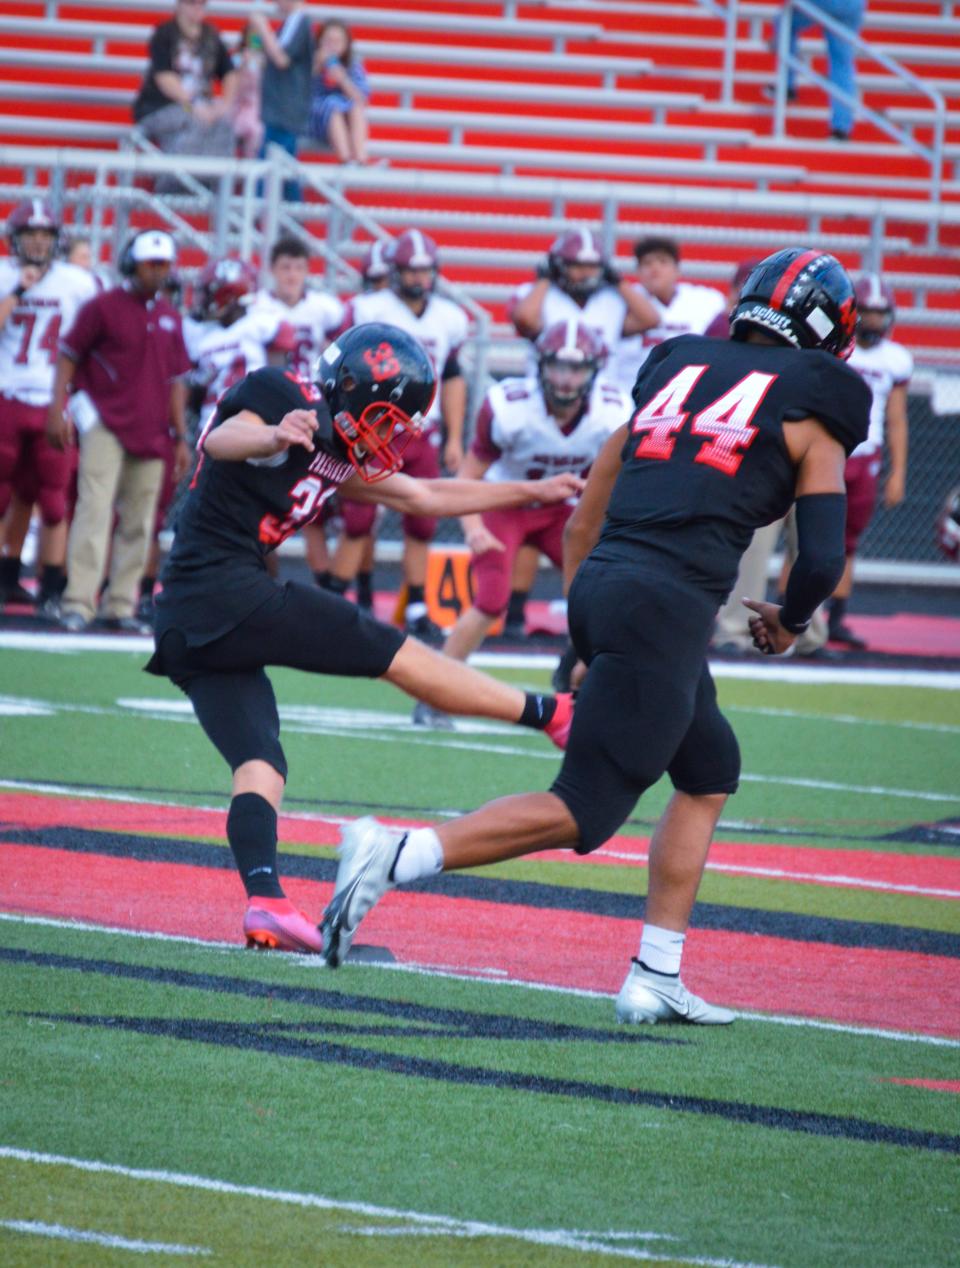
<point x="153" y="244"/>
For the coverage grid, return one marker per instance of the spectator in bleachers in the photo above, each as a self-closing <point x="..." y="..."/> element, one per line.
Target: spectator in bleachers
<point x="577" y="281"/>
<point x="245" y="106"/>
<point x="287" y="68"/>
<point x="124" y="354"/>
<point x="682" y="308"/>
<point x="841" y="58"/>
<point x="338" y="111"/>
<point x="176" y="108"/>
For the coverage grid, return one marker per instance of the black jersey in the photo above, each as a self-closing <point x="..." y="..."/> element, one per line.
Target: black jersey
<point x="705" y="463"/>
<point x="237" y="512"/>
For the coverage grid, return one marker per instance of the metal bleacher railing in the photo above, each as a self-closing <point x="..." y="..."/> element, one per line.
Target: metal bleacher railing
<point x="933" y="153"/>
<point x="235" y="205"/>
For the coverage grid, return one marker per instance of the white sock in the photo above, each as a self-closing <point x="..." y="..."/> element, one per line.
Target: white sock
<point x="414" y="612"/>
<point x="421" y="855"/>
<point x="661" y="949"/>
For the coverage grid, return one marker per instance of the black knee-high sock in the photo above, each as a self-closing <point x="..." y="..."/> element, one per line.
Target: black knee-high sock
<point x="53" y="582"/>
<point x="538" y="710"/>
<point x="517" y="606"/>
<point x="365" y="589"/>
<point x="252" y="833"/>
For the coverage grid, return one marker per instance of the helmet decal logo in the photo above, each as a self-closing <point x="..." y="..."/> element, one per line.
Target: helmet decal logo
<point x="382" y="361"/>
<point x="848" y="315"/>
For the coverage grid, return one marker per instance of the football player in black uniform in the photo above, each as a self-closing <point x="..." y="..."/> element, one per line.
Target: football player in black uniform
<point x="726" y="435"/>
<point x="274" y="451"/>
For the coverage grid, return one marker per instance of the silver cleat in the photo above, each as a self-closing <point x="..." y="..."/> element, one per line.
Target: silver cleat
<point x="650" y="997"/>
<point x="367" y="853"/>
<point x="435" y="719"/>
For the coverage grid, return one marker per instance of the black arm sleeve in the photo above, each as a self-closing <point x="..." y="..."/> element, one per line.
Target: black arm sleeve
<point x="821" y="518"/>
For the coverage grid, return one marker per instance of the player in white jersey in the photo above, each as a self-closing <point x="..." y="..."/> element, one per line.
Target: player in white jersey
<point x="576" y="282"/>
<point x="313" y="314"/>
<point x="39" y="297"/>
<point x="682" y="308"/>
<point x="530" y="428"/>
<point x="233" y="339"/>
<point x="886" y="367"/>
<point x="441" y="326"/>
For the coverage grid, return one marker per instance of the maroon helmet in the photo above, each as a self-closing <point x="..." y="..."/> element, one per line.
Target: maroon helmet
<point x="874" y="296"/>
<point x="223" y="285"/>
<point x="33" y="213"/>
<point x="375" y="264"/>
<point x="576" y="246"/>
<point x="948" y="526"/>
<point x="413" y="250"/>
<point x="569" y="356"/>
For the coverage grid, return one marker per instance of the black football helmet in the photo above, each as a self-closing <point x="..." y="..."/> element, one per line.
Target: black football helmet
<point x="801" y="297"/>
<point x="379" y="384"/>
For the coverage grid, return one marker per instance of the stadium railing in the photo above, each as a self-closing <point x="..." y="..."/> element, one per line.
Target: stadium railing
<point x="933" y="153"/>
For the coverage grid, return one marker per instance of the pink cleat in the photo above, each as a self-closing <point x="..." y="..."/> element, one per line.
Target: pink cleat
<point x="558" y="728"/>
<point x="274" y="924"/>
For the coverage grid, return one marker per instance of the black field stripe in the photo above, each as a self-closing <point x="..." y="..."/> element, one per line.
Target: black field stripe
<point x="452" y="1020"/>
<point x="922" y="833"/>
<point x="598" y="902"/>
<point x="268" y="1039"/>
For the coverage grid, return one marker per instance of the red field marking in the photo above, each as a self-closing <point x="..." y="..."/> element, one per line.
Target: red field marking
<point x="928" y="871"/>
<point x="931" y="1085"/>
<point x="869" y="987"/>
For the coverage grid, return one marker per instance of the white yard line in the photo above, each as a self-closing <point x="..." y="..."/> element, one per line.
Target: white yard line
<point x="61" y="1232"/>
<point x="849" y="719"/>
<point x="417" y="1221"/>
<point x="391" y="728"/>
<point x="771" y="671"/>
<point x="781" y="874"/>
<point x="460" y="972"/>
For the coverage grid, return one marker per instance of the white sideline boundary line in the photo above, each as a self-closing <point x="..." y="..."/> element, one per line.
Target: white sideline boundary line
<point x="778" y="671"/>
<point x="566" y="1239"/>
<point x="334" y="723"/>
<point x="464" y="973"/>
<point x="60" y="1232"/>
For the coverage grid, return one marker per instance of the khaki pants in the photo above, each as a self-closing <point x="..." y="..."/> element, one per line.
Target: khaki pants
<point x="110" y="480"/>
<point x="751" y="583"/>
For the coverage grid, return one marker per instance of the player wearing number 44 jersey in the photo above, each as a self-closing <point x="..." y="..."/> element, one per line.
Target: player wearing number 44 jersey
<point x="275" y="450"/>
<point x="724" y="438"/>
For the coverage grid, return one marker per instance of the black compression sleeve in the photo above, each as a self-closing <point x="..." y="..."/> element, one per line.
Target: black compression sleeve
<point x="821" y="518"/>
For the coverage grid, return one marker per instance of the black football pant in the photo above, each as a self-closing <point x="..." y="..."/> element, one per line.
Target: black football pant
<point x="648" y="706"/>
<point x="301" y="627"/>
